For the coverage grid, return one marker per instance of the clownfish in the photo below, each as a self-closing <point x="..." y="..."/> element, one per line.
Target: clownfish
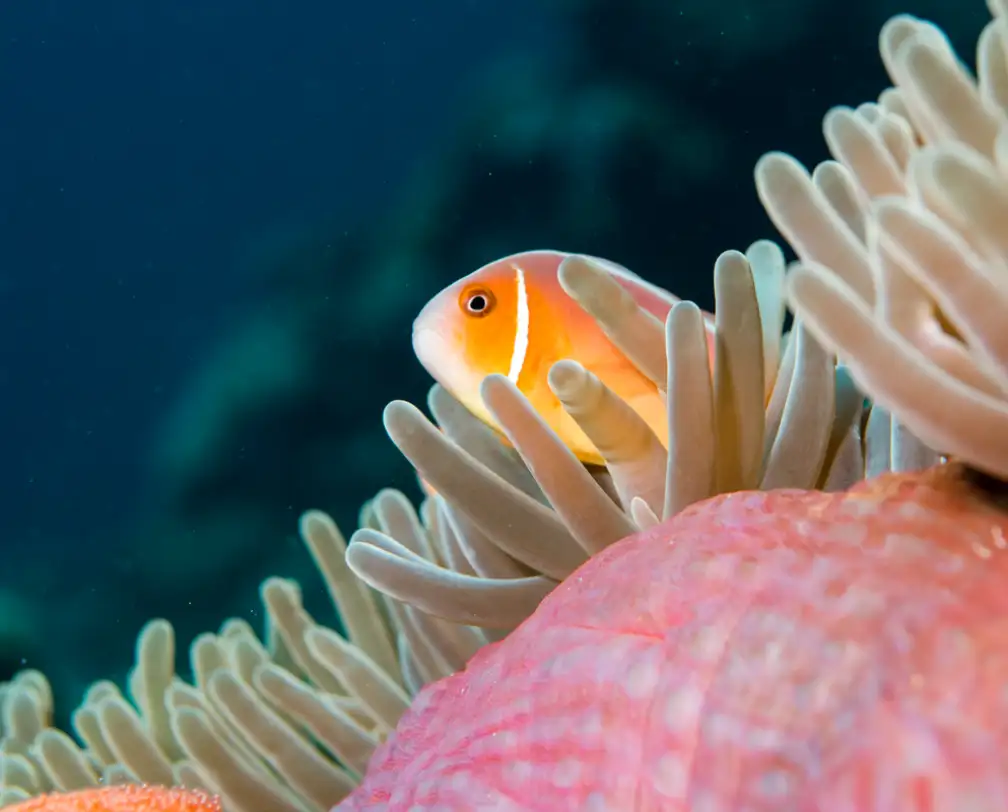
<point x="513" y="318"/>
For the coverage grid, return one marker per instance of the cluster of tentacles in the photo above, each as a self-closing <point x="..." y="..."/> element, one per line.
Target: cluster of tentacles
<point x="902" y="273"/>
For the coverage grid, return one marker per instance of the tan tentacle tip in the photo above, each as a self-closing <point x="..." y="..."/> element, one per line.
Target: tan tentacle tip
<point x="577" y="272"/>
<point x="900" y="30"/>
<point x="951" y="164"/>
<point x="765" y="254"/>
<point x="314" y="522"/>
<point x="771" y="164"/>
<point x="644" y="517"/>
<point x="897" y="28"/>
<point x="567" y="379"/>
<point x="592" y="285"/>
<point x="394" y="412"/>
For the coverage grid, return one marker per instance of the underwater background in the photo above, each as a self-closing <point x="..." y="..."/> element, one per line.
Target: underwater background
<point x="218" y="220"/>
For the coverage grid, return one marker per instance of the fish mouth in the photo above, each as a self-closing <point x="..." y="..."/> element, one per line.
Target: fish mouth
<point x="439" y="353"/>
<point x="429" y="348"/>
<point x="435" y="341"/>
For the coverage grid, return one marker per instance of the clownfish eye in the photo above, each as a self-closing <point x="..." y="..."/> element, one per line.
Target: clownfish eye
<point x="477" y="302"/>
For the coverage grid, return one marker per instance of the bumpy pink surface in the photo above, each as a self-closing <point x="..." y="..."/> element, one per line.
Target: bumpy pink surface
<point x="784" y="651"/>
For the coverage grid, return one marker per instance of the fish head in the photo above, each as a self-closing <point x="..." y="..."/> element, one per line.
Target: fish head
<point x="482" y="325"/>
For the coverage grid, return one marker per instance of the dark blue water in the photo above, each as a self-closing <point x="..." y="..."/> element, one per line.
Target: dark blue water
<point x="146" y="148"/>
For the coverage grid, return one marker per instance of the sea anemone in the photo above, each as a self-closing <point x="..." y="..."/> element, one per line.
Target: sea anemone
<point x="284" y="724"/>
<point x="840" y="602"/>
<point x="904" y="258"/>
<point x="504" y="523"/>
<point x="788" y="649"/>
<point x="784" y="650"/>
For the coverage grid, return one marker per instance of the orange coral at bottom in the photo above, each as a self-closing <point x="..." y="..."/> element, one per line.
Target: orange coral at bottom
<point x="126" y="798"/>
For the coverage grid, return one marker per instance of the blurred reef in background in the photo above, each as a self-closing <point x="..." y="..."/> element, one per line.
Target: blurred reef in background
<point x="633" y="141"/>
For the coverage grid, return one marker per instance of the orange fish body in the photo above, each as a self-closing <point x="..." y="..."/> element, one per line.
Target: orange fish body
<point x="808" y="651"/>
<point x="124" y="798"/>
<point x="513" y="318"/>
